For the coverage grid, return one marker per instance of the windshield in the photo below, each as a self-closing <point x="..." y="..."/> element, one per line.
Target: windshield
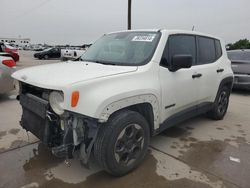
<point x="126" y="48"/>
<point x="239" y="55"/>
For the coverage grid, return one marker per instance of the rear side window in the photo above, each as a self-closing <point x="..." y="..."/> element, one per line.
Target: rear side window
<point x="182" y="45"/>
<point x="218" y="49"/>
<point x="206" y="50"/>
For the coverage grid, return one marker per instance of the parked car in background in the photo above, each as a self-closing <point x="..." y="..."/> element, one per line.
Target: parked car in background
<point x="38" y="48"/>
<point x="7" y="67"/>
<point x="241" y="67"/>
<point x="68" y="54"/>
<point x="28" y="47"/>
<point x="48" y="53"/>
<point x="5" y="47"/>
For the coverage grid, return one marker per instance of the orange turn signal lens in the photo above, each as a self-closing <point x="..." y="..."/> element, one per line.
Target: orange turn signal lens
<point x="74" y="98"/>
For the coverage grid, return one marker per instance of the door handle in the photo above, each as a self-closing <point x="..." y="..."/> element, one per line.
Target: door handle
<point x="219" y="70"/>
<point x="196" y="75"/>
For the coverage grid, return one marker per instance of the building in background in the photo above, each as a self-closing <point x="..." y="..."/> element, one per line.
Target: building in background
<point x="16" y="41"/>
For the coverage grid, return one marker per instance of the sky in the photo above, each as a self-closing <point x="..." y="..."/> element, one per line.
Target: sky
<point x="77" y="22"/>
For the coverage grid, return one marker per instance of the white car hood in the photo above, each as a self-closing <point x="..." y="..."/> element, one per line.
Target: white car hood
<point x="59" y="75"/>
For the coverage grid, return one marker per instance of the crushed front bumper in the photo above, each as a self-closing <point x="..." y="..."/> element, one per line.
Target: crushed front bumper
<point x="39" y="120"/>
<point x="63" y="134"/>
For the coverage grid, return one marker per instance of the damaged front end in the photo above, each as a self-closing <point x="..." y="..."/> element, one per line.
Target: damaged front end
<point x="62" y="133"/>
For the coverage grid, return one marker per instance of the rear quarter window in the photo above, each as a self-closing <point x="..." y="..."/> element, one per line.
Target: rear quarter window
<point x="218" y="49"/>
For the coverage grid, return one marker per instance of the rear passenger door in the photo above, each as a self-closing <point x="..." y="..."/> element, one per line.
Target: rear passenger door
<point x="208" y="63"/>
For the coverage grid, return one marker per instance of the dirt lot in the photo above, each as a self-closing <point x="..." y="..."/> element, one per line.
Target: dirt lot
<point x="199" y="153"/>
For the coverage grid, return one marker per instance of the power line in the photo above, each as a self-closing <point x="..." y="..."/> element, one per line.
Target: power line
<point x="33" y="9"/>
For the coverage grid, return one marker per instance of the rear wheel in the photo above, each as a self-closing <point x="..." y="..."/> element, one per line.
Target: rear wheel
<point x="221" y="104"/>
<point x="122" y="143"/>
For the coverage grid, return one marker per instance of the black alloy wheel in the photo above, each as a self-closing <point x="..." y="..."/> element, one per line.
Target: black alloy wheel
<point x="220" y="105"/>
<point x="129" y="144"/>
<point x="122" y="142"/>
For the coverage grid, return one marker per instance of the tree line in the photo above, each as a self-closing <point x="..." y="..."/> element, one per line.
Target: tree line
<point x="240" y="44"/>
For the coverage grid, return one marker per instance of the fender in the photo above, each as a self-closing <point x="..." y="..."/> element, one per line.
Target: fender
<point x="226" y="81"/>
<point x="126" y="102"/>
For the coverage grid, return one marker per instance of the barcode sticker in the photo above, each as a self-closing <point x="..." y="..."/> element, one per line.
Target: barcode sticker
<point x="145" y="38"/>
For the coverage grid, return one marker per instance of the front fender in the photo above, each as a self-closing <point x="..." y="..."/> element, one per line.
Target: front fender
<point x="109" y="109"/>
<point x="100" y="98"/>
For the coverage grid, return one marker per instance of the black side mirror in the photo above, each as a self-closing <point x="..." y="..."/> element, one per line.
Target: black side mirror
<point x="180" y="61"/>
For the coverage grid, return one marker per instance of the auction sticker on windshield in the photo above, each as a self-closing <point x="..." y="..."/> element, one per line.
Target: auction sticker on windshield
<point x="144" y="38"/>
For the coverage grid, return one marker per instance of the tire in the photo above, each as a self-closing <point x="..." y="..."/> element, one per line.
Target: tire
<point x="221" y="104"/>
<point x="46" y="57"/>
<point x="122" y="143"/>
<point x="64" y="59"/>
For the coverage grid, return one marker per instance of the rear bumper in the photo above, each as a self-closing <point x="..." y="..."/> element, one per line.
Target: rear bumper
<point x="6" y="81"/>
<point x="241" y="81"/>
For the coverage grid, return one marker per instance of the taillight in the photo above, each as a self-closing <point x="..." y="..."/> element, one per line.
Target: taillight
<point x="9" y="63"/>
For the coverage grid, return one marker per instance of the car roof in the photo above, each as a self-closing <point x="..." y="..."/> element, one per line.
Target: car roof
<point x="169" y="31"/>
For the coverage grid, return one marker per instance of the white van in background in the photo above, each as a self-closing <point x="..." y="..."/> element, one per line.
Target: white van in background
<point x="71" y="54"/>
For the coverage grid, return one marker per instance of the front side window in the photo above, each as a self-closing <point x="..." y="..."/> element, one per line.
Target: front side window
<point x="206" y="50"/>
<point x="125" y="48"/>
<point x="179" y="45"/>
<point x="47" y="49"/>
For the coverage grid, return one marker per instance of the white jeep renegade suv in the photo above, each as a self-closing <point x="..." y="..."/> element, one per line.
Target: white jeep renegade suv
<point x="126" y="88"/>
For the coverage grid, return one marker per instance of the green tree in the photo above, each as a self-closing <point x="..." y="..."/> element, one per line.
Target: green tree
<point x="241" y="44"/>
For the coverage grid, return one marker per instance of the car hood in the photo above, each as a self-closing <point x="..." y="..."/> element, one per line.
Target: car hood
<point x="60" y="75"/>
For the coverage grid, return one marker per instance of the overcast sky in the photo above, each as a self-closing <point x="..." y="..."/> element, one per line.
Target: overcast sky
<point x="82" y="21"/>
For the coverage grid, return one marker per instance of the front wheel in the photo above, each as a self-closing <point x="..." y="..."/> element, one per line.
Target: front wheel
<point x="46" y="57"/>
<point x="221" y="104"/>
<point x="122" y="143"/>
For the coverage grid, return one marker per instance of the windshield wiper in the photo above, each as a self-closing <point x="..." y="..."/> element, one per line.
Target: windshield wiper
<point x="100" y="62"/>
<point x="105" y="63"/>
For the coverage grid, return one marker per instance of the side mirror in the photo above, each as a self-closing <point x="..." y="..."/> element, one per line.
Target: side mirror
<point x="180" y="62"/>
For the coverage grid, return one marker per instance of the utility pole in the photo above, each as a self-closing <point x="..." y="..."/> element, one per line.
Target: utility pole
<point x="129" y="14"/>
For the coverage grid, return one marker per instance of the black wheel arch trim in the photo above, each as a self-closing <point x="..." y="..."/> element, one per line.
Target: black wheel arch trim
<point x="228" y="81"/>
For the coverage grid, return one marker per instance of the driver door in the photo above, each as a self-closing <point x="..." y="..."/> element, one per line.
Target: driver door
<point x="179" y="88"/>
